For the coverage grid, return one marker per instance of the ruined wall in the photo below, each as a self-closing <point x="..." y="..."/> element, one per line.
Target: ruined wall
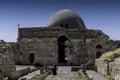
<point x="6" y="60"/>
<point x="102" y="66"/>
<point x="114" y="69"/>
<point x="16" y="52"/>
<point x="109" y="68"/>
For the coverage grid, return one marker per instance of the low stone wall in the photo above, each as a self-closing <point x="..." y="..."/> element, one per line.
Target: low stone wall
<point x="44" y="72"/>
<point x="102" y="66"/>
<point x="110" y="69"/>
<point x="75" y="68"/>
<point x="20" y="73"/>
<point x="114" y="69"/>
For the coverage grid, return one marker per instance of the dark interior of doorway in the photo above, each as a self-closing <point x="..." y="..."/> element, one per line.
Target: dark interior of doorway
<point x="98" y="54"/>
<point x="32" y="57"/>
<point x="61" y="49"/>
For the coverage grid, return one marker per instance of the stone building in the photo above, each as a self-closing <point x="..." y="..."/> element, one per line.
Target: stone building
<point x="64" y="40"/>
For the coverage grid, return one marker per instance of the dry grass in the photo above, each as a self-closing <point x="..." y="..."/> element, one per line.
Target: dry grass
<point x="110" y="53"/>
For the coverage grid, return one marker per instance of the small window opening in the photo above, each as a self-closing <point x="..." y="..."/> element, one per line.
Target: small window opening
<point x="66" y="25"/>
<point x="84" y="40"/>
<point x="61" y="25"/>
<point x="20" y="53"/>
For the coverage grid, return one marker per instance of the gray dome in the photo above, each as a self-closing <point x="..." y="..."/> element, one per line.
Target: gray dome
<point x="66" y="18"/>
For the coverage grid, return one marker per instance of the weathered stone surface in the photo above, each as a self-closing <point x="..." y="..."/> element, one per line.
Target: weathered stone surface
<point x="6" y="60"/>
<point x="102" y="66"/>
<point x="114" y="69"/>
<point x="43" y="43"/>
<point x="109" y="68"/>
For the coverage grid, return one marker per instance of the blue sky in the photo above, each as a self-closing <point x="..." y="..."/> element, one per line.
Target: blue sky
<point x="97" y="14"/>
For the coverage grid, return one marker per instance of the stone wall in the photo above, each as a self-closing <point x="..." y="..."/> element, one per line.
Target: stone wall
<point x="16" y="52"/>
<point x="81" y="51"/>
<point x="114" y="69"/>
<point x="6" y="60"/>
<point x="22" y="72"/>
<point x="44" y="50"/>
<point x="109" y="68"/>
<point x="43" y="43"/>
<point x="43" y="32"/>
<point x="102" y="66"/>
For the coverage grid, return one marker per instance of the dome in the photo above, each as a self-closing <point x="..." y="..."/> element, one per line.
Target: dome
<point x="67" y="19"/>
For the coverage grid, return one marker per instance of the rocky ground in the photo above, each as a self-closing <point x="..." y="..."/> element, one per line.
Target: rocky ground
<point x="95" y="75"/>
<point x="64" y="73"/>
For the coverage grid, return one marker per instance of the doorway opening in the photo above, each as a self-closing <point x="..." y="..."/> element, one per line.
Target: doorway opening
<point x="61" y="49"/>
<point x="99" y="46"/>
<point x="32" y="58"/>
<point x="98" y="54"/>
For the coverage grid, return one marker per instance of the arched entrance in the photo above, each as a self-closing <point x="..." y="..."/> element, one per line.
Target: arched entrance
<point x="99" y="46"/>
<point x="61" y="49"/>
<point x="98" y="53"/>
<point x="32" y="57"/>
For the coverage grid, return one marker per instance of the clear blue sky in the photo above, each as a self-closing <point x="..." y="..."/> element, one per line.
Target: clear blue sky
<point x="97" y="14"/>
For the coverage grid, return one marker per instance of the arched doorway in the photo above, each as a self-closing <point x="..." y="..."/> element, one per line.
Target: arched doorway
<point x="99" y="46"/>
<point x="61" y="49"/>
<point x="32" y="57"/>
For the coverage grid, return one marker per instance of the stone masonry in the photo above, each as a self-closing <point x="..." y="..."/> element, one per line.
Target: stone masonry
<point x="109" y="68"/>
<point x="6" y="60"/>
<point x="64" y="40"/>
<point x="43" y="43"/>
